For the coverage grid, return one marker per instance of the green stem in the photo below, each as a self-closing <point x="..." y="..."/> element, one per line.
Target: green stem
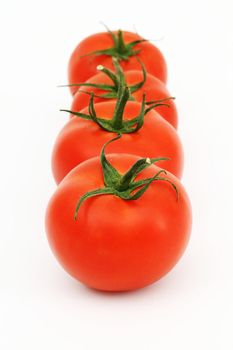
<point x="111" y="175"/>
<point x="123" y="96"/>
<point x="121" y="47"/>
<point x="110" y="74"/>
<point x="124" y="186"/>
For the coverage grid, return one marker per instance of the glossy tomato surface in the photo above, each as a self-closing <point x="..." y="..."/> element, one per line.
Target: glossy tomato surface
<point x="117" y="245"/>
<point x="82" y="139"/>
<point x="153" y="88"/>
<point x="83" y="66"/>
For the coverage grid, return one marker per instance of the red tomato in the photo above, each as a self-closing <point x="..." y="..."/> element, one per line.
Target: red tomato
<point x="117" y="244"/>
<point x="82" y="139"/>
<point x="82" y="64"/>
<point x="153" y="88"/>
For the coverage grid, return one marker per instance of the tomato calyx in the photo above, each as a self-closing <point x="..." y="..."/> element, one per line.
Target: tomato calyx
<point x="117" y="124"/>
<point x="117" y="79"/>
<point x="120" y="49"/>
<point x="124" y="186"/>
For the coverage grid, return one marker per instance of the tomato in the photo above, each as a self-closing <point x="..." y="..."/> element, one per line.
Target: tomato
<point x="117" y="244"/>
<point x="81" y="139"/>
<point x="83" y="61"/>
<point x="153" y="88"/>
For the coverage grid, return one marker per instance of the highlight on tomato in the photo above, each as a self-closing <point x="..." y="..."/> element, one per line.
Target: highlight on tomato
<point x="119" y="222"/>
<point x="145" y="132"/>
<point x="100" y="48"/>
<point x="106" y="83"/>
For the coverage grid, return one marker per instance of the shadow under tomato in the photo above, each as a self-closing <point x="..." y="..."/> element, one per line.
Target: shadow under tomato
<point x="161" y="286"/>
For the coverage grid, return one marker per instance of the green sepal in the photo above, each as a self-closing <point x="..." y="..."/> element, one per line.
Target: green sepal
<point x="157" y="103"/>
<point x="111" y="175"/>
<point x="118" y="79"/>
<point x="90" y="194"/>
<point x="120" y="49"/>
<point x="124" y="186"/>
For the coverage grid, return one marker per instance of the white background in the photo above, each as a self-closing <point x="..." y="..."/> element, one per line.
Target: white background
<point x="41" y="307"/>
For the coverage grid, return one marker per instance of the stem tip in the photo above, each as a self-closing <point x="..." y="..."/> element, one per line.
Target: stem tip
<point x="99" y="67"/>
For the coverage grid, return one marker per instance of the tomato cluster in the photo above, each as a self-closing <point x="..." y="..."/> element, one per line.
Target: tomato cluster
<point x="120" y="219"/>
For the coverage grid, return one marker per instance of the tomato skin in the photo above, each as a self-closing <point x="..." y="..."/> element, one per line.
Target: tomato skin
<point x="117" y="245"/>
<point x="83" y="139"/>
<point x="82" y="67"/>
<point x="153" y="88"/>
